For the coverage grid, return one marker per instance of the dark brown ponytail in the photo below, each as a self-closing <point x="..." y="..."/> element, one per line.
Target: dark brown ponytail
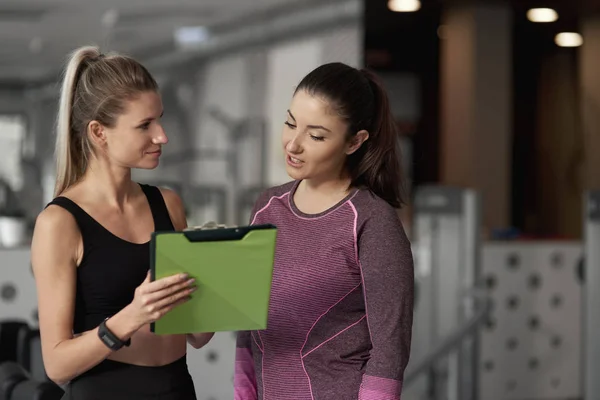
<point x="359" y="97"/>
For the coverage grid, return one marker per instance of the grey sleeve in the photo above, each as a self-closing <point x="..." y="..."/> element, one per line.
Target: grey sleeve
<point x="386" y="264"/>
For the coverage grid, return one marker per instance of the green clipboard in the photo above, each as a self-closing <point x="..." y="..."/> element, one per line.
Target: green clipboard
<point x="233" y="268"/>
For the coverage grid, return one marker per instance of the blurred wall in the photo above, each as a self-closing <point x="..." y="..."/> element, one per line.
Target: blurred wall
<point x="589" y="90"/>
<point x="12" y="101"/>
<point x="559" y="149"/>
<point x="476" y="101"/>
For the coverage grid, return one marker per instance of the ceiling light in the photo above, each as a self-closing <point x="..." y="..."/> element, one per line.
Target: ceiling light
<point x="542" y="15"/>
<point x="191" y="36"/>
<point x="404" y="5"/>
<point x="568" y="39"/>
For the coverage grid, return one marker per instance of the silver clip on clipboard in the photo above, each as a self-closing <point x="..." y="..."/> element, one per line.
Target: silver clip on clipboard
<point x="208" y="225"/>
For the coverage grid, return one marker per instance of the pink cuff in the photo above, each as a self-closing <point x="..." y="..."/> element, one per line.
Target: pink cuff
<point x="376" y="388"/>
<point x="244" y="379"/>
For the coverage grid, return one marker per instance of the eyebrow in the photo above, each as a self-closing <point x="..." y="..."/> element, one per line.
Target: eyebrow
<point x="152" y="118"/>
<point x="309" y="126"/>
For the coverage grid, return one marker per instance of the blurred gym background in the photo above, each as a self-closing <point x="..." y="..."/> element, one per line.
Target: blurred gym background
<point x="498" y="104"/>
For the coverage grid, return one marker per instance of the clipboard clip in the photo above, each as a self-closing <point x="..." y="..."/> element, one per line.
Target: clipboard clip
<point x="212" y="231"/>
<point x="208" y="226"/>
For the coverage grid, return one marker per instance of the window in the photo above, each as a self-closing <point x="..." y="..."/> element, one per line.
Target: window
<point x="12" y="136"/>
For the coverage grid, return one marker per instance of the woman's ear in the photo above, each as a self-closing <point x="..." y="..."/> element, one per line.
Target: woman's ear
<point x="356" y="141"/>
<point x="96" y="133"/>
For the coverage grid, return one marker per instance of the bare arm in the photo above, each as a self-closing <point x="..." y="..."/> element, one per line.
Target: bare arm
<point x="54" y="252"/>
<point x="177" y="214"/>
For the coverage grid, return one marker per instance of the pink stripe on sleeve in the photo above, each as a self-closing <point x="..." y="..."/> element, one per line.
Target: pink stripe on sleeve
<point x="376" y="388"/>
<point x="267" y="206"/>
<point x="244" y="380"/>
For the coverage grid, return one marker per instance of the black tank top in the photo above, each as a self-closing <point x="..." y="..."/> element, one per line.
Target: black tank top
<point x="111" y="268"/>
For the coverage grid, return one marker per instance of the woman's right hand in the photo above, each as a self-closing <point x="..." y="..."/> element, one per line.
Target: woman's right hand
<point x="153" y="299"/>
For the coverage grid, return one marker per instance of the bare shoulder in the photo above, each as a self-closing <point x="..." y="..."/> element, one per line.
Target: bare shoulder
<point x="55" y="233"/>
<point x="55" y="220"/>
<point x="175" y="207"/>
<point x="55" y="249"/>
<point x="171" y="197"/>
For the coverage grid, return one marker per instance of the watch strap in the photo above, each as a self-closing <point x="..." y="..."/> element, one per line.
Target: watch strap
<point x="111" y="340"/>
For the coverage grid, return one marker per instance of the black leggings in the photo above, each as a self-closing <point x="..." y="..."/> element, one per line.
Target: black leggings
<point x="112" y="380"/>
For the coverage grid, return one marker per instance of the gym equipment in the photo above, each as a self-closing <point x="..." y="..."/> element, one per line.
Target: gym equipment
<point x="9" y="333"/>
<point x="445" y="249"/>
<point x="246" y="202"/>
<point x="591" y="296"/>
<point x="18" y="295"/>
<point x="531" y="344"/>
<point x="29" y="353"/>
<point x="34" y="390"/>
<point x="206" y="203"/>
<point x="11" y="374"/>
<point x="246" y="146"/>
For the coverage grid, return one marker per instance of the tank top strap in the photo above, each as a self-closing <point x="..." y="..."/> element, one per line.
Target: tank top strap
<point x="160" y="212"/>
<point x="83" y="219"/>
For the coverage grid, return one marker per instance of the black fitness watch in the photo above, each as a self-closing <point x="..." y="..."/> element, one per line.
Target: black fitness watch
<point x="110" y="339"/>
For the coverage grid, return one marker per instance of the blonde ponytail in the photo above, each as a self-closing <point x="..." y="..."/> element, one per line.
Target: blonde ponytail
<point x="70" y="154"/>
<point x="94" y="87"/>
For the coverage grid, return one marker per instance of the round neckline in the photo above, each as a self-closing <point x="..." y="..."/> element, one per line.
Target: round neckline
<point x="331" y="209"/>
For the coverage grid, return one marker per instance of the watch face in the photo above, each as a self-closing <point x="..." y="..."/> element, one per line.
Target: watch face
<point x="109" y="342"/>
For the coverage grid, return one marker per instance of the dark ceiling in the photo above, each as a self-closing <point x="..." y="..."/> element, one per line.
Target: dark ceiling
<point x="408" y="41"/>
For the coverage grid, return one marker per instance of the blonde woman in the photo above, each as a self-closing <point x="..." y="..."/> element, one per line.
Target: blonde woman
<point x="90" y="248"/>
